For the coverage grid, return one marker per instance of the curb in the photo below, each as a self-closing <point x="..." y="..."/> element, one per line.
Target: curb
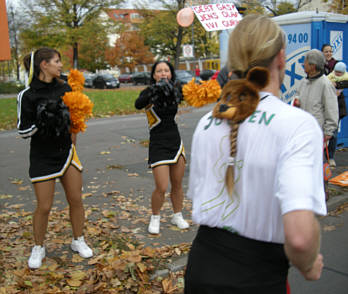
<point x="180" y="263"/>
<point x="336" y="201"/>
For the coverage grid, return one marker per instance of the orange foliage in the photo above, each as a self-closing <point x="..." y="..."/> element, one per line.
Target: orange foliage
<point x="129" y="50"/>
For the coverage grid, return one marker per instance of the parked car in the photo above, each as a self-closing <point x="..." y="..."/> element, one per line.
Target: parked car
<point x="184" y="76"/>
<point x="64" y="77"/>
<point x="143" y="77"/>
<point x="88" y="80"/>
<point x="125" y="78"/>
<point x="207" y="74"/>
<point x="104" y="81"/>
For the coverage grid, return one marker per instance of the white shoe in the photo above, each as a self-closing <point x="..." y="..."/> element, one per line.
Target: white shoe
<point x="332" y="162"/>
<point x="154" y="226"/>
<point x="81" y="247"/>
<point x="37" y="255"/>
<point x="179" y="221"/>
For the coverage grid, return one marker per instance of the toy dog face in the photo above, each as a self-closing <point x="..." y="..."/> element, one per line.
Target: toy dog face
<point x="239" y="98"/>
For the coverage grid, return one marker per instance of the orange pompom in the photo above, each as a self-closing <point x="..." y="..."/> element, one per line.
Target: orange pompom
<point x="198" y="95"/>
<point x="76" y="80"/>
<point x="80" y="108"/>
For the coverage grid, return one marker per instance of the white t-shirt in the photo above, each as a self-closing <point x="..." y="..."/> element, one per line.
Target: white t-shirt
<point x="279" y="168"/>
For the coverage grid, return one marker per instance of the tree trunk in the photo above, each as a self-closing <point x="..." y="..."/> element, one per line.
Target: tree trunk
<point x="178" y="47"/>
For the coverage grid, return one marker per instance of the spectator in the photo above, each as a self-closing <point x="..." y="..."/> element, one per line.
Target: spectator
<point x="224" y="76"/>
<point x="317" y="95"/>
<point x="329" y="60"/>
<point x="330" y="63"/>
<point x="197" y="71"/>
<point x="339" y="73"/>
<point x="338" y="76"/>
<point x="255" y="177"/>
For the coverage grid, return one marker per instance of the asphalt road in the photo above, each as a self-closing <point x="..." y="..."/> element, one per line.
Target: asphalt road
<point x="115" y="167"/>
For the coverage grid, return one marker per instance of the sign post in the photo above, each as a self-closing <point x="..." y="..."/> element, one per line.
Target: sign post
<point x="5" y="49"/>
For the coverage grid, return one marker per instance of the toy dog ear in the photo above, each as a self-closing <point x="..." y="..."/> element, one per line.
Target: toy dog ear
<point x="259" y="76"/>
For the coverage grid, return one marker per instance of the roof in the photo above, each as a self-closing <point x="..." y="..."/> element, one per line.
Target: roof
<point x="309" y="16"/>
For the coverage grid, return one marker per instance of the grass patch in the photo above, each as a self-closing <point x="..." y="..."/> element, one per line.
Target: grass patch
<point x="106" y="103"/>
<point x="8" y="113"/>
<point x="111" y="102"/>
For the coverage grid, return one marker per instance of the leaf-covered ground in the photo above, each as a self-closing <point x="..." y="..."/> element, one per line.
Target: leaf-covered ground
<point x="121" y="264"/>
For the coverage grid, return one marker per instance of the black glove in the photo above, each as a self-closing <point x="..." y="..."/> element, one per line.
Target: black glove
<point x="52" y="118"/>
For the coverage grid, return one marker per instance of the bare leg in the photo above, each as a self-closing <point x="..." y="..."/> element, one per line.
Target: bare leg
<point x="161" y="177"/>
<point x="72" y="184"/>
<point x="44" y="192"/>
<point x="176" y="175"/>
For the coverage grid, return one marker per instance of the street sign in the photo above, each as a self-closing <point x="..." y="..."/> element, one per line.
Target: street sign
<point x="187" y="51"/>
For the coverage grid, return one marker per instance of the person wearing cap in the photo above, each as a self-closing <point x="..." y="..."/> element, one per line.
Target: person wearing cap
<point x="255" y="176"/>
<point x="337" y="76"/>
<point x="339" y="73"/>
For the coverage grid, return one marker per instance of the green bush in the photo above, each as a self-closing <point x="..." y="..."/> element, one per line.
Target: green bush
<point x="11" y="87"/>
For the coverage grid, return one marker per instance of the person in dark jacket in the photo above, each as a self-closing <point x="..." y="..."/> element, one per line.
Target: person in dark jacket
<point x="166" y="150"/>
<point x="43" y="117"/>
<point x="342" y="111"/>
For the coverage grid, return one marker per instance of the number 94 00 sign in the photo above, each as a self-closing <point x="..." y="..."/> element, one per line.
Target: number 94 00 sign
<point x="298" y="38"/>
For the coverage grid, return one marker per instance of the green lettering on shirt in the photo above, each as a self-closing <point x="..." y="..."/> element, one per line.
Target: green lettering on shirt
<point x="217" y="121"/>
<point x="261" y="117"/>
<point x="264" y="118"/>
<point x="253" y="116"/>
<point x="209" y="124"/>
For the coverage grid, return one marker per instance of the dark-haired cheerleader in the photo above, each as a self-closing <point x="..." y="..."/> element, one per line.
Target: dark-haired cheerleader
<point x="166" y="150"/>
<point x="43" y="117"/>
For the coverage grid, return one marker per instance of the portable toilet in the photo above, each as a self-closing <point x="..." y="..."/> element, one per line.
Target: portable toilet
<point x="308" y="30"/>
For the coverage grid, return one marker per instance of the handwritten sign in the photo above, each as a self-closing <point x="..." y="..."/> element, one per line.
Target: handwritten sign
<point x="216" y="17"/>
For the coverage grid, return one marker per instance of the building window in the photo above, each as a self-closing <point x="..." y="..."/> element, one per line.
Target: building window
<point x="135" y="16"/>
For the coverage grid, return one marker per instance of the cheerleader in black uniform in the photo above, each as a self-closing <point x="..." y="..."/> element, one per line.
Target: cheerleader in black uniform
<point x="166" y="150"/>
<point x="44" y="118"/>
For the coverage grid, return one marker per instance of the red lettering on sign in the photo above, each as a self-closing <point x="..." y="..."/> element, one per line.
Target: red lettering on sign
<point x="203" y="8"/>
<point x="229" y="14"/>
<point x="208" y="16"/>
<point x="211" y="25"/>
<point x="230" y="23"/>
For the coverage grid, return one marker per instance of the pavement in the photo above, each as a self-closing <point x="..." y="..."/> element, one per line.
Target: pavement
<point x="114" y="153"/>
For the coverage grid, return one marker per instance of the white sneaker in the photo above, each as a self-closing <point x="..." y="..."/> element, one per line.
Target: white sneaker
<point x="154" y="226"/>
<point x="81" y="247"/>
<point x="179" y="221"/>
<point x="37" y="255"/>
<point x="332" y="162"/>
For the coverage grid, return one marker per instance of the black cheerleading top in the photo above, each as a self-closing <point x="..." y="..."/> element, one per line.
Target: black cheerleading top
<point x="43" y="117"/>
<point x="165" y="145"/>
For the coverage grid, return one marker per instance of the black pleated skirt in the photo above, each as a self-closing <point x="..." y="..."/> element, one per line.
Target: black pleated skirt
<point x="221" y="262"/>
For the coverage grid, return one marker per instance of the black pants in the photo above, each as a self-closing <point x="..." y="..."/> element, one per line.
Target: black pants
<point x="221" y="262"/>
